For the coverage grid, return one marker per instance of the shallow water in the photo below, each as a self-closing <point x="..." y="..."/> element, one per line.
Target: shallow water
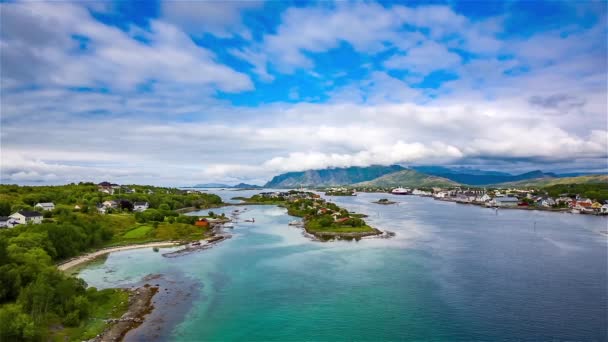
<point x="452" y="272"/>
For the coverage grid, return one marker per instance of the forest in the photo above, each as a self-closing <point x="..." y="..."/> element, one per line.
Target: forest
<point x="34" y="295"/>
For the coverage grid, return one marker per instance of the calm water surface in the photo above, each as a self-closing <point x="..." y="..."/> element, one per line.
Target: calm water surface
<point x="453" y="272"/>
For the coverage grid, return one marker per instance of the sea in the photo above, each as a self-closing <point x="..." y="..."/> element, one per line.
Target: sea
<point x="452" y="272"/>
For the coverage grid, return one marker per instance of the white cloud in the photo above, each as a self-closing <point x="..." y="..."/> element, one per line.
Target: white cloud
<point x="222" y="19"/>
<point x="39" y="47"/>
<point x="543" y="101"/>
<point x="425" y="58"/>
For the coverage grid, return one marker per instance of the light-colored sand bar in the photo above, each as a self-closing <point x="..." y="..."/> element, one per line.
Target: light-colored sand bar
<point x="88" y="257"/>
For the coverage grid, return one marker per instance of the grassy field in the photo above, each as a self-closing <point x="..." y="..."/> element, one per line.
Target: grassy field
<point x="127" y="231"/>
<point x="314" y="226"/>
<point x="108" y="303"/>
<point x="139" y="232"/>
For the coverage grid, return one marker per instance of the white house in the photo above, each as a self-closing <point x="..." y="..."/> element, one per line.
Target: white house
<point x="25" y="216"/>
<point x="140" y="206"/>
<point x="110" y="204"/>
<point x="483" y="198"/>
<point x="441" y="194"/>
<point x="546" y="202"/>
<point x="45" y="206"/>
<point x="8" y="222"/>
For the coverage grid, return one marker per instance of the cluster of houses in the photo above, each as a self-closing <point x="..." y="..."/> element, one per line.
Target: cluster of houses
<point x="289" y="195"/>
<point x="36" y="217"/>
<point x="515" y="198"/>
<point x="112" y="188"/>
<point x="103" y="207"/>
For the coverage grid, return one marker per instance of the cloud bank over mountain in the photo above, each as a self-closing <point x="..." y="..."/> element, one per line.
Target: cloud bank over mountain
<point x="178" y="93"/>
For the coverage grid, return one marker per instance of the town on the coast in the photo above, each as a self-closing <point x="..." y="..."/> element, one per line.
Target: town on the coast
<point x="514" y="198"/>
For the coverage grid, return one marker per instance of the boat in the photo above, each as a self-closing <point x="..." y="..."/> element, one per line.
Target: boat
<point x="228" y="225"/>
<point x="252" y="220"/>
<point x="401" y="191"/>
<point x="295" y="223"/>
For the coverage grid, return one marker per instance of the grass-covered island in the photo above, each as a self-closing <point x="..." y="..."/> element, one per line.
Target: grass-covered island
<point x="324" y="220"/>
<point x="340" y="192"/>
<point x="42" y="226"/>
<point x="384" y="201"/>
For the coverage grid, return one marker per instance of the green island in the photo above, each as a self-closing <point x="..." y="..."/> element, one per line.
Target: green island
<point x="322" y="219"/>
<point x="38" y="302"/>
<point x="340" y="192"/>
<point x="384" y="201"/>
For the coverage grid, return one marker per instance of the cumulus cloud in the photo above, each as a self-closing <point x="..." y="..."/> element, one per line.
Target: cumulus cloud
<point x="417" y="59"/>
<point x="219" y="18"/>
<point x="62" y="44"/>
<point x="85" y="100"/>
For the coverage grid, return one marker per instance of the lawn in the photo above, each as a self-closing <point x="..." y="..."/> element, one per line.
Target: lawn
<point x="138" y="232"/>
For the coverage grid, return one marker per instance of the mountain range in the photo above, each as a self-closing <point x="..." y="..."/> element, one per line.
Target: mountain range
<point x="220" y="185"/>
<point x="331" y="177"/>
<point x="480" y="177"/>
<point x="407" y="178"/>
<point x="422" y="176"/>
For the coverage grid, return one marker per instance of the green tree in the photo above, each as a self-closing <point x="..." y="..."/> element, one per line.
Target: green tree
<point x="5" y="208"/>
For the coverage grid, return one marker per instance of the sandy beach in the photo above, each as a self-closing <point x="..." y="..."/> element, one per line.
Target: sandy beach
<point x="88" y="257"/>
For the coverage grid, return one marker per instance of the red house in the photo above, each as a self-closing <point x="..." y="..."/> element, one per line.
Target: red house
<point x="202" y="222"/>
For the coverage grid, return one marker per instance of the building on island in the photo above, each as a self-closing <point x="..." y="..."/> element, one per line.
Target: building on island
<point x="26" y="216"/>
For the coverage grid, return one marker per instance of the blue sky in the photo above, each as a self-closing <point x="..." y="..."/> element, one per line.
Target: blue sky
<point x="186" y="92"/>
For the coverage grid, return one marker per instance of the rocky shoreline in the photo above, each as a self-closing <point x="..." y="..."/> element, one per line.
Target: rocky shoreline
<point x="140" y="304"/>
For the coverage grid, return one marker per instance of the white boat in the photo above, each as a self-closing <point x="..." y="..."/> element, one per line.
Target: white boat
<point x="295" y="223"/>
<point x="401" y="191"/>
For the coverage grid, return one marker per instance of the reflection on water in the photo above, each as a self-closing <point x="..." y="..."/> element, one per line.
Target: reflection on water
<point x="452" y="272"/>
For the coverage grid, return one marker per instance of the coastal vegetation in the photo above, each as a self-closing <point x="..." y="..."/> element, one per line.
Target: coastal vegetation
<point x="39" y="302"/>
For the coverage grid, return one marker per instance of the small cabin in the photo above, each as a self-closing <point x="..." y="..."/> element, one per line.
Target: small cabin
<point x="202" y="222"/>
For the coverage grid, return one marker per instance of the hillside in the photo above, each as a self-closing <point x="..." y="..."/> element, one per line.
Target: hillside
<point x="544" y="182"/>
<point x="480" y="177"/>
<point x="331" y="177"/>
<point x="408" y="178"/>
<point x="246" y="186"/>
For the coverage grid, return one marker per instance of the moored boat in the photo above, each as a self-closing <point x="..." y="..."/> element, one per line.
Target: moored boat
<point x="401" y="191"/>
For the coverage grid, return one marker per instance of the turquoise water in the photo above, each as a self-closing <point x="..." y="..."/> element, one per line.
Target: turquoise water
<point x="452" y="272"/>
